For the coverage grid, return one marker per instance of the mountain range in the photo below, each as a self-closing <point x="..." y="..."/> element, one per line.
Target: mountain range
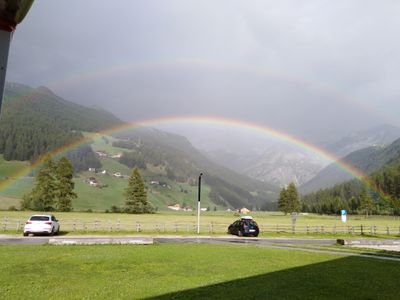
<point x="367" y="160"/>
<point x="36" y="121"/>
<point x="240" y="171"/>
<point x="280" y="163"/>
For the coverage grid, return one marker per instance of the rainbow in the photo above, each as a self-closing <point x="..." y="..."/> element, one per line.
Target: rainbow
<point x="200" y="120"/>
<point x="84" y="77"/>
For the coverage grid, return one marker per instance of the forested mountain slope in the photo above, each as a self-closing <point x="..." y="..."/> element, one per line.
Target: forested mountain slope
<point x="36" y="121"/>
<point x="366" y="160"/>
<point x="380" y="193"/>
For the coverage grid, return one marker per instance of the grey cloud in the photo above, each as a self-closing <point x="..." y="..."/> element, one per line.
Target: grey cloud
<point x="307" y="67"/>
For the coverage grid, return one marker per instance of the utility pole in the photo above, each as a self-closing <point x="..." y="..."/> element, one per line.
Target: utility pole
<point x="198" y="205"/>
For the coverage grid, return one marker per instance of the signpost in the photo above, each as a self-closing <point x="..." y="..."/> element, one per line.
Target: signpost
<point x="343" y="213"/>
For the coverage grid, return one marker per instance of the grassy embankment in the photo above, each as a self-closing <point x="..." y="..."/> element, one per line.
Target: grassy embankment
<point x="169" y="271"/>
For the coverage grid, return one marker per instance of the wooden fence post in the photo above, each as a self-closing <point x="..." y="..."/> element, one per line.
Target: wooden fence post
<point x="138" y="227"/>
<point x="5" y="223"/>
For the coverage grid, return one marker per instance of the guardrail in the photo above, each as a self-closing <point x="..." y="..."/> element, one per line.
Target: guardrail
<point x="77" y="225"/>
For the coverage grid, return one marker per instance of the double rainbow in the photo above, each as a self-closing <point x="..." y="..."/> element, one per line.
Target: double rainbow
<point x="269" y="132"/>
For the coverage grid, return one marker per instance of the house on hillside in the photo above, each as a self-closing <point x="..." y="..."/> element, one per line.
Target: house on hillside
<point x="117" y="155"/>
<point x="188" y="208"/>
<point x="101" y="153"/>
<point x="244" y="210"/>
<point x="92" y="181"/>
<point x="117" y="174"/>
<point x="176" y="206"/>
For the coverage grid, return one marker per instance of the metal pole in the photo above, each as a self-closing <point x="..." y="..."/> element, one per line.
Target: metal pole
<point x="198" y="205"/>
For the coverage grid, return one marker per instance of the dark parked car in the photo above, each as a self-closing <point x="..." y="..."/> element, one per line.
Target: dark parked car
<point x="246" y="226"/>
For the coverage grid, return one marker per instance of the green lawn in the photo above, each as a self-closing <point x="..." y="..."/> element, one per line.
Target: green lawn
<point x="171" y="271"/>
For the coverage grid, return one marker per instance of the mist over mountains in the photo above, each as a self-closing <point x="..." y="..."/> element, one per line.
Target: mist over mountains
<point x="274" y="160"/>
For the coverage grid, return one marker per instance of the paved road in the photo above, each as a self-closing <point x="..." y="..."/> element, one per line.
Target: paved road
<point x="168" y="239"/>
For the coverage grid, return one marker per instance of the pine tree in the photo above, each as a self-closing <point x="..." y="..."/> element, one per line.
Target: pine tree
<point x="43" y="194"/>
<point x="283" y="201"/>
<point x="65" y="185"/>
<point x="294" y="204"/>
<point x="366" y="203"/>
<point x="136" y="196"/>
<point x="289" y="200"/>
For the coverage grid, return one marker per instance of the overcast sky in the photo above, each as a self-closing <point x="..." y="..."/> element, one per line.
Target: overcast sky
<point x="310" y="68"/>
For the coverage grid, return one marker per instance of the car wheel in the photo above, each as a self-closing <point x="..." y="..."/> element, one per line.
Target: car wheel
<point x="52" y="232"/>
<point x="25" y="234"/>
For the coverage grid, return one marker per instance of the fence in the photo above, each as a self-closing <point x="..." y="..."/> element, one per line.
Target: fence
<point x="77" y="225"/>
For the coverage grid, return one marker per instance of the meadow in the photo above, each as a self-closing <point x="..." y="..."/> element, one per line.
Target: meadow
<point x="188" y="271"/>
<point x="271" y="223"/>
<point x="112" y="191"/>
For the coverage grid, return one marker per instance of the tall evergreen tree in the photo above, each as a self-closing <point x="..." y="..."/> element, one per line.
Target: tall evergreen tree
<point x="43" y="194"/>
<point x="65" y="186"/>
<point x="289" y="200"/>
<point x="283" y="201"/>
<point x="136" y="195"/>
<point x="293" y="197"/>
<point x="366" y="203"/>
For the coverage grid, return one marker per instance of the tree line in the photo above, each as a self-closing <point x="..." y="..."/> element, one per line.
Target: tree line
<point x="379" y="193"/>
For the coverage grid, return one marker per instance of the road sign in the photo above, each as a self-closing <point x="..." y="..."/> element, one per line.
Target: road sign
<point x="343" y="213"/>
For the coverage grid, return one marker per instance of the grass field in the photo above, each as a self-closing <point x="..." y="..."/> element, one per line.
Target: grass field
<point x="101" y="199"/>
<point x="171" y="271"/>
<point x="211" y="223"/>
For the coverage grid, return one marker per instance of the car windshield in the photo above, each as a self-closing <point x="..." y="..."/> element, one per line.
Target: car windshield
<point x="39" y="218"/>
<point x="250" y="223"/>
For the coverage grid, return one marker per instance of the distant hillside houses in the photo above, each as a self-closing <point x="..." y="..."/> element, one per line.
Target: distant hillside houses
<point x="178" y="207"/>
<point x="92" y="181"/>
<point x="159" y="183"/>
<point x="94" y="170"/>
<point x="102" y="153"/>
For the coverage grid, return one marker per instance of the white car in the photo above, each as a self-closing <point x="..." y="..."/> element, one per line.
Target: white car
<point x="42" y="224"/>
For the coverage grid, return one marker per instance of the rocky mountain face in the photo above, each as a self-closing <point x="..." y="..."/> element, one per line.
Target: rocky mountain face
<point x="282" y="164"/>
<point x="276" y="163"/>
<point x="279" y="163"/>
